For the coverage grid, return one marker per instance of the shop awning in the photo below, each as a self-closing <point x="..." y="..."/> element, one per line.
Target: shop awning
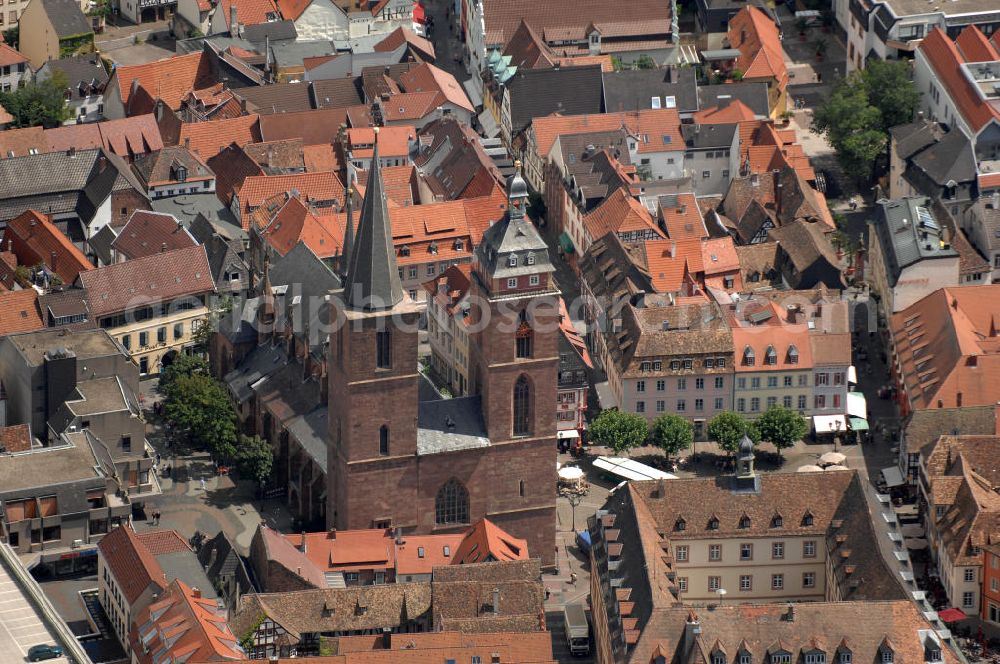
<point x="567" y="434"/>
<point x="892" y="476"/>
<point x="605" y="397"/>
<point x="566" y="242"/>
<point x="472" y="90"/>
<point x="857" y="405"/>
<point x="489" y="125"/>
<point x="857" y="423"/>
<point x="829" y="423"/>
<point x="852" y="375"/>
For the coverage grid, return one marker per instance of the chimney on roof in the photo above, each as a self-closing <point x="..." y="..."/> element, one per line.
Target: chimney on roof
<point x="398" y="532"/>
<point x="163" y="248"/>
<point x="387" y="638"/>
<point x="71" y="152"/>
<point x="302" y="546"/>
<point x="692" y="630"/>
<point x="52" y="260"/>
<point x="234" y="24"/>
<point x="187" y="143"/>
<point x="270" y="156"/>
<point x="995" y="200"/>
<point x="196" y="592"/>
<point x="496" y="601"/>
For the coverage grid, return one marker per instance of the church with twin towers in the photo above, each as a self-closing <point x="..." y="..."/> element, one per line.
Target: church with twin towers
<point x="401" y="456"/>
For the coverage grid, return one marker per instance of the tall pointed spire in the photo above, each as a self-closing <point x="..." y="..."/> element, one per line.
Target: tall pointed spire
<point x="372" y="280"/>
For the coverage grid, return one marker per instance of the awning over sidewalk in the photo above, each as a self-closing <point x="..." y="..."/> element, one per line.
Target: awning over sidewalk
<point x="857" y="405"/>
<point x="892" y="476"/>
<point x="829" y="423"/>
<point x="567" y="434"/>
<point x="858" y="424"/>
<point x="852" y="375"/>
<point x="605" y="396"/>
<point x="489" y="125"/>
<point x="474" y="95"/>
<point x="566" y="242"/>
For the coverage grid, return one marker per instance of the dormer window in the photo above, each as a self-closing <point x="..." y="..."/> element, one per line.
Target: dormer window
<point x="680" y="524"/>
<point x="718" y="658"/>
<point x="781" y="658"/>
<point x="777" y="521"/>
<point x="433" y="248"/>
<point x="793" y="355"/>
<point x="180" y="172"/>
<point x="459" y="244"/>
<point x="713" y="523"/>
<point x="744" y="521"/>
<point x="815" y="658"/>
<point x="745" y="658"/>
<point x="512" y="261"/>
<point x="845" y="657"/>
<point x="771" y="357"/>
<point x="932" y="653"/>
<point x="887" y="656"/>
<point x="404" y="250"/>
<point x="748" y="357"/>
<point x="808" y="519"/>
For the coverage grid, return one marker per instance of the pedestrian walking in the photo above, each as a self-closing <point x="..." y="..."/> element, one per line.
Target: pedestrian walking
<point x="203" y="484"/>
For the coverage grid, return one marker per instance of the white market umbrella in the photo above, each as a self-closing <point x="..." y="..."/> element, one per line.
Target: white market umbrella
<point x="570" y="473"/>
<point x="837" y="467"/>
<point x="832" y="458"/>
<point x="810" y="468"/>
<point x="916" y="543"/>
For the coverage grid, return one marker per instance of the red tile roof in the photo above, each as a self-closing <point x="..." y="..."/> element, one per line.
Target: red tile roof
<point x="683" y="219"/>
<point x="124" y="137"/>
<point x="291" y="10"/>
<point x="148" y="233"/>
<point x="34" y="239"/>
<point x="163" y="276"/>
<point x="975" y="47"/>
<point x="320" y="158"/>
<point x="168" y="79"/>
<point x="947" y="347"/>
<point x="400" y="184"/>
<point x="399" y="36"/>
<point x="10" y="56"/>
<point x="450" y="287"/>
<point x="650" y="125"/>
<point x="295" y="223"/>
<point x="249" y="12"/>
<point x="16" y="438"/>
<point x="133" y="565"/>
<point x="778" y="334"/>
<point x="19" y="311"/>
<point x="392" y="141"/>
<point x="325" y="187"/>
<point x="160" y="542"/>
<point x="485" y="542"/>
<point x="946" y="60"/>
<point x="671" y="264"/>
<point x="208" y="139"/>
<point x="758" y="39"/>
<point x="181" y="626"/>
<point x="428" y="78"/>
<point x="619" y="213"/>
<point x="733" y="112"/>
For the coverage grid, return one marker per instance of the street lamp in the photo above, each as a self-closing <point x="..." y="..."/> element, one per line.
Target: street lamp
<point x="721" y="592"/>
<point x="574" y="500"/>
<point x="836" y="434"/>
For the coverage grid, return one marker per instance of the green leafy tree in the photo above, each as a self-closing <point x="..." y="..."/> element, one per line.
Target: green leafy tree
<point x="183" y="365"/>
<point x="727" y="429"/>
<point x="199" y="407"/>
<point x="38" y="104"/>
<point x="890" y="90"/>
<point x="672" y="434"/>
<point x="782" y="427"/>
<point x="11" y="37"/>
<point x="619" y="430"/>
<point x="254" y="458"/>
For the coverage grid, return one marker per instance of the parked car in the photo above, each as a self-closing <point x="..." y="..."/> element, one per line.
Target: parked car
<point x="44" y="651"/>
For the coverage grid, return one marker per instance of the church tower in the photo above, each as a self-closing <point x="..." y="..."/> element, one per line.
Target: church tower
<point x="515" y="318"/>
<point x="372" y="377"/>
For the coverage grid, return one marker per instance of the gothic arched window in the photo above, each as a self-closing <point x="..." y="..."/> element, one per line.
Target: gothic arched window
<point x="523" y="336"/>
<point x="451" y="504"/>
<point x="522" y="406"/>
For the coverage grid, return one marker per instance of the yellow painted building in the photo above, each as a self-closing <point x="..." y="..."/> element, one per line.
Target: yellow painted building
<point x="152" y="305"/>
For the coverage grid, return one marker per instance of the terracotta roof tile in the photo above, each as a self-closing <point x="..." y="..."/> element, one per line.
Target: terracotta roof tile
<point x="399" y="36"/>
<point x="232" y="166"/>
<point x="975" y="46"/>
<point x="294" y="223"/>
<point x="207" y="139"/>
<point x="392" y="141"/>
<point x="635" y="20"/>
<point x="318" y="158"/>
<point x="158" y="168"/>
<point x="323" y="188"/>
<point x="759" y="42"/>
<point x="653" y="124"/>
<point x="249" y="12"/>
<point x="736" y="111"/>
<point x="162" y="276"/>
<point x="619" y="213"/>
<point x="318" y="127"/>
<point x="291" y="10"/>
<point x="15" y="438"/>
<point x="428" y="78"/>
<point x="19" y="311"/>
<point x="486" y="542"/>
<point x="400" y="183"/>
<point x="682" y="217"/>
<point x="10" y="56"/>
<point x="35" y="239"/>
<point x="133" y="565"/>
<point x="160" y="542"/>
<point x="168" y="79"/>
<point x="147" y="233"/>
<point x="946" y="60"/>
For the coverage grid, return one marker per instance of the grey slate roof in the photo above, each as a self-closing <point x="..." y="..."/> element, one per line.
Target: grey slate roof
<point x="915" y="136"/>
<point x="709" y="136"/>
<point x="311" y="432"/>
<point x="513" y="235"/>
<point x="66" y="17"/>
<point x="351" y="63"/>
<point x="447" y="425"/>
<point x="900" y="228"/>
<point x="951" y="159"/>
<point x="372" y="280"/>
<point x="275" y="30"/>
<point x="262" y="361"/>
<point x="188" y="207"/>
<point x="753" y="95"/>
<point x="184" y="565"/>
<point x="539" y="92"/>
<point x="634" y="90"/>
<point x="80" y="69"/>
